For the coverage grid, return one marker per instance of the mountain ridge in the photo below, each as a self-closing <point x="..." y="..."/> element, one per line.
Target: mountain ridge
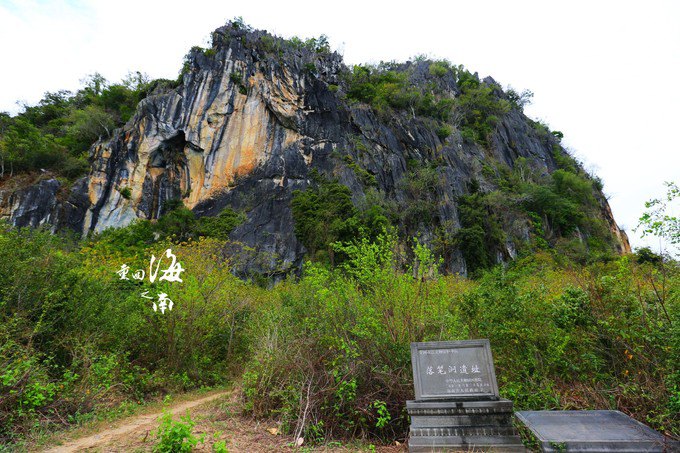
<point x="255" y="116"/>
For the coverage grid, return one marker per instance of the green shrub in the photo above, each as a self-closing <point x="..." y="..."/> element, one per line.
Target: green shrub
<point x="125" y="192"/>
<point x="385" y="88"/>
<point x="178" y="223"/>
<point x="310" y="68"/>
<point x="366" y="178"/>
<point x="318" y="45"/>
<point x="220" y="226"/>
<point x="270" y="44"/>
<point x="645" y="255"/>
<point x="478" y="108"/>
<point x="567" y="202"/>
<point x="325" y="214"/>
<point x="422" y="183"/>
<point x="23" y="147"/>
<point x="236" y="77"/>
<point x="74" y="167"/>
<point x="480" y="237"/>
<point x="563" y="215"/>
<point x="75" y="337"/>
<point x="321" y="215"/>
<point x="176" y="436"/>
<point x="519" y="100"/>
<point x="237" y="23"/>
<point x="444" y="131"/>
<point x="439" y="68"/>
<point x="220" y="447"/>
<point x="468" y="133"/>
<point x="574" y="309"/>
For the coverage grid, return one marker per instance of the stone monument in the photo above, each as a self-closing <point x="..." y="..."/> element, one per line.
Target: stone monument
<point x="457" y="406"/>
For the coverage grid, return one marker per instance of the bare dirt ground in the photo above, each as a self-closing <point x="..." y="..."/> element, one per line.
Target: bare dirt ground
<point x="129" y="428"/>
<point x="218" y="417"/>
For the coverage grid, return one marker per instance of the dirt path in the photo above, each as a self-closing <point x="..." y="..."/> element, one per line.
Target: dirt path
<point x="217" y="417"/>
<point x="140" y="424"/>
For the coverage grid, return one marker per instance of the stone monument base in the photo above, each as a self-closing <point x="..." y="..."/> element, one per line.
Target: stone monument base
<point x="596" y="431"/>
<point x="449" y="426"/>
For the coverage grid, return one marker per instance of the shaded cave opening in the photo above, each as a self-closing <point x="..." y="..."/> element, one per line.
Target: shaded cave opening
<point x="167" y="169"/>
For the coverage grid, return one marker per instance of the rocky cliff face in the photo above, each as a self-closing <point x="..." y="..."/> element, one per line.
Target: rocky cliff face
<point x="245" y="129"/>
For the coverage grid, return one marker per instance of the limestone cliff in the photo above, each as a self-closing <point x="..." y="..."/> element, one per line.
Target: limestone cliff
<point x="245" y="128"/>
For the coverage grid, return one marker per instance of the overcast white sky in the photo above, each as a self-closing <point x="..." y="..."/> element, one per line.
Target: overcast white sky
<point x="605" y="73"/>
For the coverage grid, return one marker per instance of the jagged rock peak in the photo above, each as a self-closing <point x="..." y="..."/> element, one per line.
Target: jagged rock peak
<point x="256" y="115"/>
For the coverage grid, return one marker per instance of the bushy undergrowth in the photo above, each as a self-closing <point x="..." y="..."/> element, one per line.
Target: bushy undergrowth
<point x="331" y="356"/>
<point x="327" y="354"/>
<point x="74" y="337"/>
<point x="324" y="214"/>
<point x="176" y="436"/>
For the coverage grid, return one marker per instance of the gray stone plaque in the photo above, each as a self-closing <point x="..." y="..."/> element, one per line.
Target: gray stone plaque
<point x="601" y="431"/>
<point x="445" y="370"/>
<point x="457" y="406"/>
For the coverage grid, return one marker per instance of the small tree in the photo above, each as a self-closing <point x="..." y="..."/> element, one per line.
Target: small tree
<point x="661" y="218"/>
<point x="519" y="100"/>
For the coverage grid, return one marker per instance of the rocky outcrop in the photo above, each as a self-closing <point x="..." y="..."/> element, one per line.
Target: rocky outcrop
<point x="30" y="205"/>
<point x="244" y="130"/>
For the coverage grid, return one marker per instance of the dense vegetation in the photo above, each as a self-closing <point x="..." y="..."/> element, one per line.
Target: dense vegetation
<point x="327" y="354"/>
<point x="56" y="133"/>
<point x="474" y="109"/>
<point x="324" y="214"/>
<point x="386" y="85"/>
<point x="563" y="337"/>
<point x="561" y="210"/>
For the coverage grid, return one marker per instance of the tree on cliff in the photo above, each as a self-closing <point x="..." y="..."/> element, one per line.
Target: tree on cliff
<point x="661" y="218"/>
